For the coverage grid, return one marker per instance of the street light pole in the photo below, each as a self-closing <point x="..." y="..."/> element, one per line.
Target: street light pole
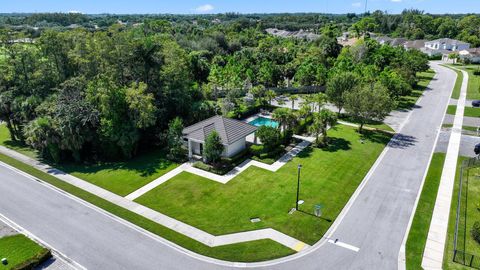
<point x="298" y="185"/>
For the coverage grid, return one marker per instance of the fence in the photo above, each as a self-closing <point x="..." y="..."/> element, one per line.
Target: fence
<point x="461" y="235"/>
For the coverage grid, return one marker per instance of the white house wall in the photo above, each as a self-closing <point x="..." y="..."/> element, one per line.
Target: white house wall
<point x="235" y="148"/>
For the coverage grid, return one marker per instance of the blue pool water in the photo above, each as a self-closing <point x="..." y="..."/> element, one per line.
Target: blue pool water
<point x="262" y="121"/>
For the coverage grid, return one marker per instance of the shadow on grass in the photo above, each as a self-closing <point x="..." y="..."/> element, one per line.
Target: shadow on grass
<point x="375" y="136"/>
<point x="146" y="165"/>
<point x="310" y="214"/>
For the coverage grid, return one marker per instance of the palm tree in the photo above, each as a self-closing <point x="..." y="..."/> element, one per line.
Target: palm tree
<point x="270" y="95"/>
<point x="281" y="115"/>
<point x="321" y="121"/>
<point x="292" y="99"/>
<point x="319" y="99"/>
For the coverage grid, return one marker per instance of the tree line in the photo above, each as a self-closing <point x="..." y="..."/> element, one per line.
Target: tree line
<point x="109" y="94"/>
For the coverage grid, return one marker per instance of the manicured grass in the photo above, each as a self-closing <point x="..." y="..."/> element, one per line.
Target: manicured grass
<point x="452" y="109"/>
<point x="20" y="250"/>
<point x="125" y="177"/>
<point x="458" y="85"/>
<point x="329" y="177"/>
<point x="407" y="102"/>
<point x="472" y="112"/>
<point x="121" y="178"/>
<point x="417" y="236"/>
<point x="244" y="252"/>
<point x="463" y="127"/>
<point x="473" y="91"/>
<point x="372" y="124"/>
<point x="448" y="255"/>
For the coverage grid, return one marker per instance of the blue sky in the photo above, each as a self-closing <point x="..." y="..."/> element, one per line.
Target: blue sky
<point x="241" y="6"/>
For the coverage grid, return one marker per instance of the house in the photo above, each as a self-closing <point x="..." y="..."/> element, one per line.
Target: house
<point x="414" y="44"/>
<point x="447" y="44"/>
<point x="398" y="42"/>
<point x="384" y="40"/>
<point x="232" y="133"/>
<point x="471" y="55"/>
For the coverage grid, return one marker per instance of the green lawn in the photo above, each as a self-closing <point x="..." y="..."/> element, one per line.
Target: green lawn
<point x="371" y="124"/>
<point x="473" y="91"/>
<point x="121" y="178"/>
<point x="260" y="250"/>
<point x="452" y="109"/>
<point x="125" y="177"/>
<point x="469" y="111"/>
<point x="458" y="85"/>
<point x="463" y="127"/>
<point x="448" y="256"/>
<point x="329" y="177"/>
<point x="423" y="214"/>
<point x="18" y="249"/>
<point x="407" y="102"/>
<point x="472" y="112"/>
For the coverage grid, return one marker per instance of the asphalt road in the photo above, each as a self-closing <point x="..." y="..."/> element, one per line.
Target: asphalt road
<point x="376" y="222"/>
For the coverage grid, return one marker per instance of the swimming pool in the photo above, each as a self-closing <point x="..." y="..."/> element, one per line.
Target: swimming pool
<point x="262" y="121"/>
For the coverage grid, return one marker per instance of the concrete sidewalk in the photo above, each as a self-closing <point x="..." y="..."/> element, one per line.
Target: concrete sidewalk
<point x="171" y="223"/>
<point x="437" y="234"/>
<point x="188" y="167"/>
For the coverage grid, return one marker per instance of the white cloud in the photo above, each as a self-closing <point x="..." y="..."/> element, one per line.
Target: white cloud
<point x="396" y="1"/>
<point x="204" y="8"/>
<point x="74" y="11"/>
<point x="356" y="4"/>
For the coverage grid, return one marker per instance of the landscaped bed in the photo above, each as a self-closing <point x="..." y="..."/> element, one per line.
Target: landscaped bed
<point x="329" y="177"/>
<point x="21" y="252"/>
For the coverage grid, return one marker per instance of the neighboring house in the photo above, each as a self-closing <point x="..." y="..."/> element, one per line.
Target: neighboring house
<point x="301" y="34"/>
<point x="398" y="42"/>
<point x="472" y="55"/>
<point x="232" y="133"/>
<point x="414" y="44"/>
<point x="384" y="40"/>
<point x="447" y="44"/>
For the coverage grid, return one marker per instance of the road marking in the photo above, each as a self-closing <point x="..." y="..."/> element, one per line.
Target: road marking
<point x="299" y="246"/>
<point x="344" y="245"/>
<point x="57" y="254"/>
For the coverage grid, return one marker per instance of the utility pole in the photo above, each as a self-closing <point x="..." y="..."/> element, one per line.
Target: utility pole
<point x="298" y="185"/>
<point x="366" y="4"/>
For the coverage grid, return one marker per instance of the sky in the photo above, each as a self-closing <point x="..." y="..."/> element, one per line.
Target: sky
<point x="238" y="6"/>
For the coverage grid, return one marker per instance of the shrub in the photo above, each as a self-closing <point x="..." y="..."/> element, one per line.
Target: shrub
<point x="475" y="231"/>
<point x="213" y="147"/>
<point x="256" y="150"/>
<point x="269" y="136"/>
<point x="476" y="72"/>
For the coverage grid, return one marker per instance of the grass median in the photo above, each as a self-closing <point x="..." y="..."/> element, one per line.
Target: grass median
<point x="417" y="235"/>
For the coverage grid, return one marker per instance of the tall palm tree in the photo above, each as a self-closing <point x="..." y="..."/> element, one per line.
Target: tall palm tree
<point x="321" y="122"/>
<point x="270" y="95"/>
<point x="292" y="99"/>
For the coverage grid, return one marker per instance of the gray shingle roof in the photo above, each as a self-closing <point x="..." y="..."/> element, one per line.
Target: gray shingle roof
<point x="448" y="41"/>
<point x="229" y="130"/>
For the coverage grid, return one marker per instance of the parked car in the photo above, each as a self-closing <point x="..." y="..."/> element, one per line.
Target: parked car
<point x="477" y="149"/>
<point x="476" y="103"/>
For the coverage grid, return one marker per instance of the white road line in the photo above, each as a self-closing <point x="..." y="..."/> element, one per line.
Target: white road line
<point x="57" y="254"/>
<point x="344" y="245"/>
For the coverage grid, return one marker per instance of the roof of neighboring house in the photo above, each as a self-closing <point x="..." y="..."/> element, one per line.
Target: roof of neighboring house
<point x="471" y="51"/>
<point x="229" y="130"/>
<point x="415" y="44"/>
<point x="384" y="39"/>
<point x="448" y="41"/>
<point x="398" y="41"/>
